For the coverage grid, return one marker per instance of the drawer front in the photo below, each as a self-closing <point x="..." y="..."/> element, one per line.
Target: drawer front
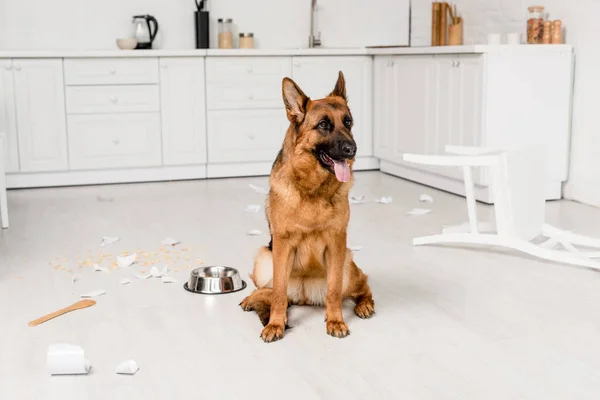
<point x="110" y="71"/>
<point x="248" y="95"/>
<point x="243" y="136"/>
<point x="114" y="141"/>
<point x="112" y="99"/>
<point x="242" y="69"/>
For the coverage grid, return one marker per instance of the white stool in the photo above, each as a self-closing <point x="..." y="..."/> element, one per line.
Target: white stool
<point x="3" y="201"/>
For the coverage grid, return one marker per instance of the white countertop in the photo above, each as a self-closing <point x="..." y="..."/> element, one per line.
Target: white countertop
<point x="277" y="52"/>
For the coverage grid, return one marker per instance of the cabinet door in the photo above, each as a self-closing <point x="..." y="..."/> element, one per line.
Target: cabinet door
<point x="413" y="108"/>
<point x="385" y="88"/>
<point x="316" y="76"/>
<point x="8" y="118"/>
<point x="183" y="110"/>
<point x="40" y="101"/>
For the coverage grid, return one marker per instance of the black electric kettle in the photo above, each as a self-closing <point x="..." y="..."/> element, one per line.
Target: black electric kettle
<point x="143" y="32"/>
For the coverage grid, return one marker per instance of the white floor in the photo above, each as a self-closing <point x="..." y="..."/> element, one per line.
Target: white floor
<point x="451" y="323"/>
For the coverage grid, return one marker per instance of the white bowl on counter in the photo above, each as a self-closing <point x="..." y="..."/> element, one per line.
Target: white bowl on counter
<point x="126" y="43"/>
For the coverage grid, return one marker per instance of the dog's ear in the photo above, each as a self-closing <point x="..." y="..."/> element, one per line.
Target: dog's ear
<point x="295" y="101"/>
<point x="340" y="87"/>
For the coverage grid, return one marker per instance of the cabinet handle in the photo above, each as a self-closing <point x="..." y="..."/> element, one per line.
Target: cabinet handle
<point x="250" y="70"/>
<point x="164" y="65"/>
<point x="251" y="97"/>
<point x="390" y="63"/>
<point x="8" y="67"/>
<point x="113" y="71"/>
<point x="296" y="65"/>
<point x="458" y="64"/>
<point x="250" y="136"/>
<point x="113" y="99"/>
<point x="453" y="63"/>
<point x="17" y="68"/>
<point x="116" y="141"/>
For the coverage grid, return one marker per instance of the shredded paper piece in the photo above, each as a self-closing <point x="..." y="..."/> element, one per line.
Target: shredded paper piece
<point x="259" y="190"/>
<point x="385" y="200"/>
<point x="418" y="211"/>
<point x="170" y="242"/>
<point x="144" y="276"/>
<point x="357" y="199"/>
<point x="252" y="208"/>
<point x="155" y="273"/>
<point x="75" y="278"/>
<point x="128" y="367"/>
<point x="95" y="293"/>
<point x="358" y="247"/>
<point x="254" y="232"/>
<point x="106" y="240"/>
<point x="168" y="279"/>
<point x="425" y="198"/>
<point x="125" y="281"/>
<point x="98" y="268"/>
<point x="126" y="261"/>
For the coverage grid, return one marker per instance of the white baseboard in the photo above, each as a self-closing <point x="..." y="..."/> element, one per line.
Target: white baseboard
<point x="74" y="178"/>
<point x="583" y="192"/>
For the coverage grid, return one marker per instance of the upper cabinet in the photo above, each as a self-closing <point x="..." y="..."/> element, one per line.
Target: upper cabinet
<point x="40" y="111"/>
<point x="316" y="76"/>
<point x="183" y="110"/>
<point x="8" y="116"/>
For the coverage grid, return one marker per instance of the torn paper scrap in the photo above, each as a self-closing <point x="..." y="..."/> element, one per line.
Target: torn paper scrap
<point x="358" y="247"/>
<point x="252" y="208"/>
<point x="75" y="278"/>
<point x="98" y="268"/>
<point x="66" y="359"/>
<point x="95" y="293"/>
<point x="259" y="190"/>
<point x="143" y="276"/>
<point x="425" y="198"/>
<point x="106" y="240"/>
<point x="125" y="281"/>
<point x="126" y="261"/>
<point x="164" y="271"/>
<point x="170" y="242"/>
<point x="155" y="273"/>
<point x="418" y="211"/>
<point x="168" y="279"/>
<point x="254" y="232"/>
<point x="384" y="200"/>
<point x="128" y="367"/>
<point x="357" y="199"/>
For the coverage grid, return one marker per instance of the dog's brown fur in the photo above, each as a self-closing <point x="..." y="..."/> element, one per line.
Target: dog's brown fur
<point x="307" y="262"/>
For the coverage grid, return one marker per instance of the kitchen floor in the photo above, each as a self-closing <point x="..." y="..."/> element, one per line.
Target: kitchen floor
<point x="451" y="322"/>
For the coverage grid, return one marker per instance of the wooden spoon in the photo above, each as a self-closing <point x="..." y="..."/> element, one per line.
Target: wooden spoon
<point x="76" y="306"/>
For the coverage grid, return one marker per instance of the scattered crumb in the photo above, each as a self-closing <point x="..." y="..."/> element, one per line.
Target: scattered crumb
<point x="188" y="266"/>
<point x="176" y="270"/>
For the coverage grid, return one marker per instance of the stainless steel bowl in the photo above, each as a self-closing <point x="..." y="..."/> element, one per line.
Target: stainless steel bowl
<point x="214" y="280"/>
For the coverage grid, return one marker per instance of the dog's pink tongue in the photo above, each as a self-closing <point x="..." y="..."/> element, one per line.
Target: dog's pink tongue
<point x="342" y="170"/>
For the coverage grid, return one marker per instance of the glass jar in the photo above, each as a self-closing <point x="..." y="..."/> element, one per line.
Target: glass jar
<point x="246" y="40"/>
<point x="535" y="25"/>
<point x="225" y="33"/>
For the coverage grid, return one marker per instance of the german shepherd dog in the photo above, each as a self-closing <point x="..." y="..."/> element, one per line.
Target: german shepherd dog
<point x="307" y="262"/>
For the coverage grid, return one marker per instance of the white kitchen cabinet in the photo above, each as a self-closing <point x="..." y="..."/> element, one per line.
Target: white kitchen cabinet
<point x="317" y="76"/>
<point x="8" y="117"/>
<point x="385" y="93"/>
<point x="183" y="111"/>
<point x="40" y="110"/>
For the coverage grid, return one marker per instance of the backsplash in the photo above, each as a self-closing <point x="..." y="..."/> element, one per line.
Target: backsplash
<point x="87" y="24"/>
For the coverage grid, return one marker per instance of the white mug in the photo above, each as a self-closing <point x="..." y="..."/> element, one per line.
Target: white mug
<point x="513" y="38"/>
<point x="494" y="38"/>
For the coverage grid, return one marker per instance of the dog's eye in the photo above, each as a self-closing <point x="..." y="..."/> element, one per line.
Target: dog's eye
<point x="348" y="122"/>
<point x="324" y="125"/>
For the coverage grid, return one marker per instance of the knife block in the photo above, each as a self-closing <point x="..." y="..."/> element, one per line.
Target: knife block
<point x="455" y="34"/>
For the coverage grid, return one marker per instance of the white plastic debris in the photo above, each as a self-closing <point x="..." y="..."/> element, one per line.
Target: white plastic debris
<point x="358" y="247"/>
<point x="254" y="232"/>
<point x="144" y="276"/>
<point x="75" y="278"/>
<point x="98" y="268"/>
<point x="106" y="240"/>
<point x="66" y="359"/>
<point x="170" y="242"/>
<point x="125" y="281"/>
<point x="94" y="293"/>
<point x="168" y="279"/>
<point x="126" y="261"/>
<point x="425" y="198"/>
<point x="259" y="190"/>
<point x="128" y="367"/>
<point x="252" y="208"/>
<point x="418" y="211"/>
<point x="357" y="199"/>
<point x="385" y="200"/>
<point x="155" y="273"/>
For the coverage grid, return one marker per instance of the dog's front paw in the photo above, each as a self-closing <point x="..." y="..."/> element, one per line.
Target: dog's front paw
<point x="246" y="304"/>
<point x="365" y="308"/>
<point x="337" y="329"/>
<point x="272" y="332"/>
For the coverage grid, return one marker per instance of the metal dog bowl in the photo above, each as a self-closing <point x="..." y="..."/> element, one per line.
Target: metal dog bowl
<point x="214" y="280"/>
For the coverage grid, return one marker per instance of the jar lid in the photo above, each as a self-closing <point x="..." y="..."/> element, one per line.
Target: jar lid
<point x="536" y="8"/>
<point x="226" y="20"/>
<point x="246" y="34"/>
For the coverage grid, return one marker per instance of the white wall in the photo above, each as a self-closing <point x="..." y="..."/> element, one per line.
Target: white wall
<point x="582" y="31"/>
<point x="94" y="24"/>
